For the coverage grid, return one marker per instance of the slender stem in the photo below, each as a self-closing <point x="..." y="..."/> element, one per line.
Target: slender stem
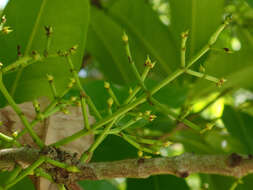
<point x="14" y="173"/>
<point x="85" y="113"/>
<point x="21" y="115"/>
<point x="42" y="173"/>
<point x="79" y="85"/>
<point x="143" y="97"/>
<point x="124" y="127"/>
<point x="62" y="165"/>
<point x="169" y="112"/>
<point x="52" y="86"/>
<point x="61" y="187"/>
<point x="184" y="37"/>
<point x="98" y="141"/>
<point x="111" y="93"/>
<point x="167" y="80"/>
<point x="27" y="171"/>
<point x="207" y="47"/>
<point x="8" y="139"/>
<point x="235" y="184"/>
<point x="148" y="67"/>
<point x="130" y="60"/>
<point x="49" y="110"/>
<point x="203" y="75"/>
<point x="136" y="144"/>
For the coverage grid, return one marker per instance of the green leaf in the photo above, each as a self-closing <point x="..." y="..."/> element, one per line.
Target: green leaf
<point x="147" y="36"/>
<point x="200" y="17"/>
<point x="250" y="2"/>
<point x="192" y="141"/>
<point x="160" y="182"/>
<point x="145" y="28"/>
<point x="97" y="185"/>
<point x="105" y="44"/>
<point x="229" y="66"/>
<point x="27" y="18"/>
<point x="114" y="148"/>
<point x="239" y="125"/>
<point x="216" y="182"/>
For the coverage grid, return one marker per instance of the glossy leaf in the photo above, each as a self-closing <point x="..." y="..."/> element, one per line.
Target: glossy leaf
<point x="105" y="44"/>
<point x="239" y="125"/>
<point x="200" y="17"/>
<point x="114" y="148"/>
<point x="147" y="36"/>
<point x="230" y="67"/>
<point x="27" y="18"/>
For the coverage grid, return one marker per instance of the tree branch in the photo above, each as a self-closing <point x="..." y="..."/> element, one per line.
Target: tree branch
<point x="181" y="166"/>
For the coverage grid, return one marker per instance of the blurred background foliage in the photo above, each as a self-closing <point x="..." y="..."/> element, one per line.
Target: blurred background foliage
<point x="154" y="28"/>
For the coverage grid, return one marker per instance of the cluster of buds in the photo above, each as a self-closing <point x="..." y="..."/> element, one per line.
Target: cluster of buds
<point x="50" y="78"/>
<point x="71" y="83"/>
<point x="110" y="102"/>
<point x="71" y="51"/>
<point x="106" y="85"/>
<point x="148" y="63"/>
<point x="125" y="38"/>
<point x="150" y="116"/>
<point x="221" y="82"/>
<point x="49" y="30"/>
<point x="35" y="55"/>
<point x="4" y="29"/>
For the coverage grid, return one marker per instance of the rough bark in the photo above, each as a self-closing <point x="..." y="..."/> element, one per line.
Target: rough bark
<point x="229" y="165"/>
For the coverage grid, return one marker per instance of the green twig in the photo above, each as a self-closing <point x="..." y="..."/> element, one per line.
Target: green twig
<point x="148" y="67"/>
<point x="184" y="37"/>
<point x="111" y="93"/>
<point x="14" y="173"/>
<point x="130" y="60"/>
<point x="144" y="97"/>
<point x="50" y="79"/>
<point x="21" y="115"/>
<point x="79" y="85"/>
<point x="50" y="109"/>
<point x="169" y="112"/>
<point x="136" y="144"/>
<point x="203" y="75"/>
<point x="26" y="172"/>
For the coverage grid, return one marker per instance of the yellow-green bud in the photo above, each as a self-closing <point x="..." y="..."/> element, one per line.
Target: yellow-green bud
<point x="166" y="144"/>
<point x="6" y="30"/>
<point x="147" y="113"/>
<point x="140" y="153"/>
<point x="152" y="117"/>
<point x="110" y="102"/>
<point x="130" y="91"/>
<point x="73" y="98"/>
<point x="125" y="38"/>
<point x="3" y="19"/>
<point x="15" y="134"/>
<point x="50" y="78"/>
<point x="107" y="85"/>
<point x="73" y="169"/>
